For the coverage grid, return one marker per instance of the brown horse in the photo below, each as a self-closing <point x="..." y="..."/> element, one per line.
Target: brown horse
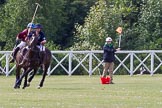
<point x="32" y="62"/>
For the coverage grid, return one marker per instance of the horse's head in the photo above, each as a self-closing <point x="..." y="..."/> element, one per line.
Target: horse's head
<point x="33" y="40"/>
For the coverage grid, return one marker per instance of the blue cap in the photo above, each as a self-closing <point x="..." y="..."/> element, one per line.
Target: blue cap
<point x="38" y="26"/>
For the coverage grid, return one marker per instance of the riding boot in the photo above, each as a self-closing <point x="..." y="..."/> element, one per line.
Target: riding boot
<point x="42" y="58"/>
<point x="14" y="54"/>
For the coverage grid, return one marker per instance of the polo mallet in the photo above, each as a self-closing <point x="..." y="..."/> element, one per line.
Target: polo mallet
<point x="119" y="31"/>
<point x="38" y="5"/>
<point x="119" y="40"/>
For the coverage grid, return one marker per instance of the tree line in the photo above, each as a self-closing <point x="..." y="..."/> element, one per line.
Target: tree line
<point x="84" y="24"/>
<point x="140" y="20"/>
<point x="58" y="18"/>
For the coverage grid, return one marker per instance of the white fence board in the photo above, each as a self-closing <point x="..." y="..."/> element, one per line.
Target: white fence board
<point x="136" y="59"/>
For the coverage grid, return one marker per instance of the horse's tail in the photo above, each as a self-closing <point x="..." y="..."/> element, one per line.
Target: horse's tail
<point x="48" y="56"/>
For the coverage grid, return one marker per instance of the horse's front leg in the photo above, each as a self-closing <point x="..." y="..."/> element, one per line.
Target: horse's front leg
<point x="43" y="77"/>
<point x="23" y="75"/>
<point x="25" y="80"/>
<point x="17" y="77"/>
<point x="31" y="77"/>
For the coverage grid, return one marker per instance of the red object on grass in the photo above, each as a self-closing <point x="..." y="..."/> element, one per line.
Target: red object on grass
<point x="105" y="80"/>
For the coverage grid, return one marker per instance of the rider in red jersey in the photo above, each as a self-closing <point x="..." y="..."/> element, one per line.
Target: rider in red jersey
<point x="22" y="36"/>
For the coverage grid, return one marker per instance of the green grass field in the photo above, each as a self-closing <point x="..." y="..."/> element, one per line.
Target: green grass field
<point x="84" y="92"/>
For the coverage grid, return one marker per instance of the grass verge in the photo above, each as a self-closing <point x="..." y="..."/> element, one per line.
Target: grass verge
<point x="84" y="92"/>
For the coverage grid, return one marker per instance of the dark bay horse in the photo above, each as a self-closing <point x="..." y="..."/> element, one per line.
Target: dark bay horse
<point x="32" y="62"/>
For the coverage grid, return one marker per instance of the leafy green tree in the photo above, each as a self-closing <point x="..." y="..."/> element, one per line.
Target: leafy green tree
<point x="10" y="20"/>
<point x="149" y="25"/>
<point x="17" y="14"/>
<point x="76" y="11"/>
<point x="86" y="34"/>
<point x="141" y="22"/>
<point x="52" y="16"/>
<point x="103" y="19"/>
<point x="57" y="17"/>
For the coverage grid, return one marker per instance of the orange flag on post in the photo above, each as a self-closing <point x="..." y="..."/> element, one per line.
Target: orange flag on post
<point x="119" y="30"/>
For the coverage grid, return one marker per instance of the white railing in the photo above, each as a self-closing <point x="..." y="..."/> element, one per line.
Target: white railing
<point x="90" y="61"/>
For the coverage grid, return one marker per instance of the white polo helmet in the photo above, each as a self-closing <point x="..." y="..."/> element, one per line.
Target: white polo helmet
<point x="108" y="39"/>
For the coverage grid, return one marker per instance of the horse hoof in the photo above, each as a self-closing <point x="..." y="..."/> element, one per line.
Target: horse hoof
<point x="23" y="88"/>
<point x="16" y="87"/>
<point x="38" y="87"/>
<point x="28" y="84"/>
